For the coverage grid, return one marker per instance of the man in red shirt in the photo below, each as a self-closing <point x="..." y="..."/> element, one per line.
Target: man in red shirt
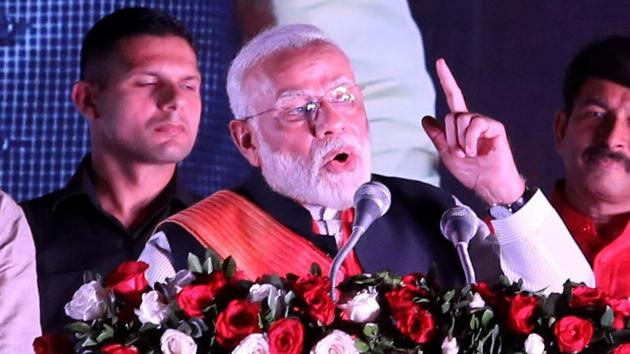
<point x="592" y="135"/>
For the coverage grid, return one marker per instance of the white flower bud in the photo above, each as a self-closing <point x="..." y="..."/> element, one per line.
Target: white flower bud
<point x="89" y="302"/>
<point x="363" y="307"/>
<point x="176" y="342"/>
<point x="477" y="301"/>
<point x="255" y="343"/>
<point x="337" y="342"/>
<point x="152" y="309"/>
<point x="258" y="292"/>
<point x="449" y="346"/>
<point x="534" y="344"/>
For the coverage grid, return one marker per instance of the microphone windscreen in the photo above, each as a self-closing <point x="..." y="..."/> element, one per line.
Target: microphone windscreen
<point x="376" y="192"/>
<point x="459" y="224"/>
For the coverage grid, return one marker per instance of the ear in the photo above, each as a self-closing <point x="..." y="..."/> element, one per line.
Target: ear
<point x="83" y="95"/>
<point x="245" y="141"/>
<point x="559" y="128"/>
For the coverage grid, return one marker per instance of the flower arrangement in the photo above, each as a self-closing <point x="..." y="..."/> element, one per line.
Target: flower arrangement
<point x="211" y="308"/>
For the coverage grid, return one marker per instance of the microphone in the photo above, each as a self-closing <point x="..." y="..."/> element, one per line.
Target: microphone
<point x="371" y="201"/>
<point x="459" y="225"/>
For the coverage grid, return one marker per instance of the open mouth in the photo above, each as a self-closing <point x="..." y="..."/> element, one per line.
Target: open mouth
<point x="340" y="161"/>
<point x="341" y="157"/>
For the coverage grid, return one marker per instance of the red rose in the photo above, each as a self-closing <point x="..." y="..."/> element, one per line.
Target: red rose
<point x="286" y="336"/>
<point x="622" y="349"/>
<point x="411" y="283"/>
<point x="311" y="282"/>
<point x="573" y="334"/>
<point x="128" y="281"/>
<point x="119" y="349"/>
<point x="193" y="299"/>
<point x="521" y="313"/>
<point x="314" y="291"/>
<point x="491" y="297"/>
<point x="400" y="300"/>
<point x="621" y="308"/>
<point x="582" y="296"/>
<point x="416" y="323"/>
<point x="237" y="321"/>
<point x="53" y="343"/>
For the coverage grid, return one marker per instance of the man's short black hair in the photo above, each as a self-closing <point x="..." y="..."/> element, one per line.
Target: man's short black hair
<point x="608" y="59"/>
<point x="101" y="39"/>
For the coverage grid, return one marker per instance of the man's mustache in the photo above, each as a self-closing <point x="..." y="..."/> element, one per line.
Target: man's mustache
<point x="598" y="152"/>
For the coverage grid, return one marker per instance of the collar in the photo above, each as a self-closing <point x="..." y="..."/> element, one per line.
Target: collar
<point x="582" y="227"/>
<point x="576" y="222"/>
<point x="81" y="184"/>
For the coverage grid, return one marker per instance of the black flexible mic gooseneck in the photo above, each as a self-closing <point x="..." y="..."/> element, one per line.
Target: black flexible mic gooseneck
<point x="459" y="225"/>
<point x="371" y="201"/>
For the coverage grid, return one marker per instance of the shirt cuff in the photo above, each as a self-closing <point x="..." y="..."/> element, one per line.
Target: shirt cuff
<point x="525" y="222"/>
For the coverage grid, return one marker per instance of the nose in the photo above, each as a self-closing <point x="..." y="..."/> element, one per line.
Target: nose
<point x="328" y="121"/>
<point x="615" y="132"/>
<point x="171" y="97"/>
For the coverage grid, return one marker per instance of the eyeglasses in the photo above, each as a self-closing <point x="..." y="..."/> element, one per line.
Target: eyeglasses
<point x="301" y="108"/>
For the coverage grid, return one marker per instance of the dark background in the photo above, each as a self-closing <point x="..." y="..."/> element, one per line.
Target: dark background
<point x="508" y="56"/>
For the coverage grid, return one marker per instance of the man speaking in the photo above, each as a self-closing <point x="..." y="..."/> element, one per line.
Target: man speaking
<point x="300" y="119"/>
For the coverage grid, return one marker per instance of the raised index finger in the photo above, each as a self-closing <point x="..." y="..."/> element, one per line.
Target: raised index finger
<point x="454" y="96"/>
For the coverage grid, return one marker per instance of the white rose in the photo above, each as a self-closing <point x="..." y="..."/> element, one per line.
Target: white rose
<point x="255" y="343"/>
<point x="176" y="342"/>
<point x="363" y="307"/>
<point x="152" y="309"/>
<point x="477" y="301"/>
<point x="534" y="344"/>
<point x="449" y="346"/>
<point x="258" y="292"/>
<point x="338" y="342"/>
<point x="88" y="303"/>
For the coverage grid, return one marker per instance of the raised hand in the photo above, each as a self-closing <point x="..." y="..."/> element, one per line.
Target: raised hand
<point x="473" y="147"/>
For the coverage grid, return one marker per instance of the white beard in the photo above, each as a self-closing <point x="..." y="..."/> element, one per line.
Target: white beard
<point x="307" y="183"/>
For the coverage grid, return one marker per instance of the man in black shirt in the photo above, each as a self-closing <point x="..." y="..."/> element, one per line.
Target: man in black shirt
<point x="139" y="91"/>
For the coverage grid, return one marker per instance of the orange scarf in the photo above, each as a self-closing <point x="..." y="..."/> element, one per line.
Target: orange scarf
<point x="233" y="226"/>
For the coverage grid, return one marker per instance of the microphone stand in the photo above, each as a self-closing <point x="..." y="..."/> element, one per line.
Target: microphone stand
<point x="357" y="232"/>
<point x="464" y="259"/>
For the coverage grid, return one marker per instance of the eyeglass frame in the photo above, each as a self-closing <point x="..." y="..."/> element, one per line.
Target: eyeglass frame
<point x="317" y="102"/>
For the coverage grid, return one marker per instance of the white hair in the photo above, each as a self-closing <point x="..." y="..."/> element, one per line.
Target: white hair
<point x="264" y="45"/>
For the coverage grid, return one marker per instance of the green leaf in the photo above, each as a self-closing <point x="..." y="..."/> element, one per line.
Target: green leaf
<point x="146" y="327"/>
<point x="549" y="306"/>
<point x="567" y="287"/>
<point x="214" y="257"/>
<point x="103" y="336"/>
<point x="207" y="266"/>
<point x="487" y="316"/>
<point x="361" y="346"/>
<point x="194" y="265"/>
<point x="184" y="327"/>
<point x="474" y="323"/>
<point x="495" y="335"/>
<point x="465" y="290"/>
<point x="315" y="269"/>
<point x="607" y="318"/>
<point x="370" y="330"/>
<point x="229" y="267"/>
<point x="504" y="281"/>
<point x="197" y="326"/>
<point x="79" y="327"/>
<point x="89" y="342"/>
<point x="448" y="296"/>
<point x="88" y="276"/>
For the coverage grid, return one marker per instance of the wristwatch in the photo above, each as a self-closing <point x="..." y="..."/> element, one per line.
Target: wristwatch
<point x="500" y="211"/>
